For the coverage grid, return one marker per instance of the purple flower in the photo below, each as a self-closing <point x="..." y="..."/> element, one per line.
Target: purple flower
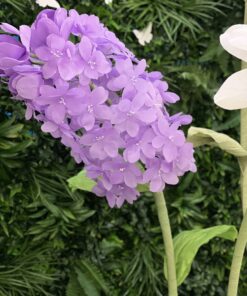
<point x="140" y="147"/>
<point x="50" y="22"/>
<point x="93" y="108"/>
<point x="168" y="97"/>
<point x="103" y="142"/>
<point x="185" y="160"/>
<point x="12" y="53"/>
<point x="168" y="139"/>
<point x="88" y="90"/>
<point x="130" y="115"/>
<point x="117" y="171"/>
<point x="24" y="32"/>
<point x="94" y="62"/>
<point x="117" y="195"/>
<point x="159" y="173"/>
<point x="59" y="55"/>
<point x="27" y="85"/>
<point x="86" y="25"/>
<point x="60" y="101"/>
<point x="180" y="119"/>
<point x="129" y="76"/>
<point x="62" y="131"/>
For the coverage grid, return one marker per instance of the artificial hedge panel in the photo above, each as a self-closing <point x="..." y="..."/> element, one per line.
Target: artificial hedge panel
<point x="75" y="237"/>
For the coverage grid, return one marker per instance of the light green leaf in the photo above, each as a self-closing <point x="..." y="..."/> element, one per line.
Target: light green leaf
<point x="202" y="136"/>
<point x="187" y="244"/>
<point x="81" y="181"/>
<point x="143" y="187"/>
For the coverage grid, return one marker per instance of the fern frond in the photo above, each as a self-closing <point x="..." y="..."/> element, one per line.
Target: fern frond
<point x="73" y="287"/>
<point x="94" y="273"/>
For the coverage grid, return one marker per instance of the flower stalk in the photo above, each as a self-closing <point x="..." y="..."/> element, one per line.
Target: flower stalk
<point x="242" y="236"/>
<point x="243" y="139"/>
<point x="168" y="242"/>
<point x="238" y="258"/>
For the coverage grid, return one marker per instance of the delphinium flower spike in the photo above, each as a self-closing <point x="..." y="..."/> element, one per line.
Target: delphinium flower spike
<point x="86" y="88"/>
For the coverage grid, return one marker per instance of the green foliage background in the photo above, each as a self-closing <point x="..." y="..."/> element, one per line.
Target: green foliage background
<point x="57" y="242"/>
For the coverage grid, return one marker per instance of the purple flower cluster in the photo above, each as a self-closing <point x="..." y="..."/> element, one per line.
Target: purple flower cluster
<point x="89" y="90"/>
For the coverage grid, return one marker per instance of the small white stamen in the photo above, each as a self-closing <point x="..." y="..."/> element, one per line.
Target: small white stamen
<point x="90" y="108"/>
<point x="131" y="113"/>
<point x="92" y="65"/>
<point x="133" y="80"/>
<point x="62" y="101"/>
<point x="56" y="52"/>
<point x="122" y="169"/>
<point x="99" y="138"/>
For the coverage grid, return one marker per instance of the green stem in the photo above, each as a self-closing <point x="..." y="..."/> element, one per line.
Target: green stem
<point x="242" y="235"/>
<point x="238" y="258"/>
<point x="243" y="140"/>
<point x="168" y="242"/>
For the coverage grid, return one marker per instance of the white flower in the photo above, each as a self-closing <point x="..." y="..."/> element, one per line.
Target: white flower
<point x="50" y="3"/>
<point x="108" y="2"/>
<point x="233" y="92"/>
<point x="145" y="35"/>
<point x="234" y="40"/>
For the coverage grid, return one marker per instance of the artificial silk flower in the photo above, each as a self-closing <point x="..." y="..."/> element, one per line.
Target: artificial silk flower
<point x="234" y="40"/>
<point x="233" y="92"/>
<point x="100" y="101"/>
<point x="108" y="2"/>
<point x="144" y="36"/>
<point x="50" y="3"/>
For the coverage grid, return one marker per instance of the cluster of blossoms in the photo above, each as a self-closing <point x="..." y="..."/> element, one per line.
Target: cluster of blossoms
<point x="89" y="90"/>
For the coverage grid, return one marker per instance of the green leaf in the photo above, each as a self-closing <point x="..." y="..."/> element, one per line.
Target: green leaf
<point x="81" y="181"/>
<point x="202" y="136"/>
<point x="95" y="275"/>
<point x="187" y="244"/>
<point x="87" y="284"/>
<point x="87" y="279"/>
<point x="143" y="187"/>
<point x="73" y="287"/>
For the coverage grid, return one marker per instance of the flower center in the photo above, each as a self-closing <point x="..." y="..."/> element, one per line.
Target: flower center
<point x="158" y="105"/>
<point x="62" y="101"/>
<point x="130" y="113"/>
<point x="171" y="138"/>
<point x="99" y="138"/>
<point x="133" y="80"/>
<point x="92" y="65"/>
<point x="122" y="169"/>
<point x="56" y="52"/>
<point x="90" y="108"/>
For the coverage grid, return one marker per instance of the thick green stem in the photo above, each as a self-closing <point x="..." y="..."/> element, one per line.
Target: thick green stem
<point x="168" y="242"/>
<point x="238" y="258"/>
<point x="242" y="235"/>
<point x="243" y="140"/>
